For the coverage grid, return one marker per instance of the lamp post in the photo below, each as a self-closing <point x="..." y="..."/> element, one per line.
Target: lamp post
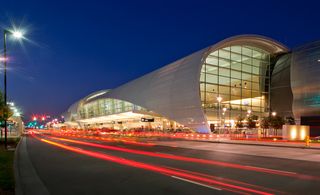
<point x="224" y="116"/>
<point x="249" y="113"/>
<point x="16" y="35"/>
<point x="219" y="101"/>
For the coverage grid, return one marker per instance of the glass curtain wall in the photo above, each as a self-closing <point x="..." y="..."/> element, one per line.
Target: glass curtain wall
<point x="239" y="76"/>
<point x="104" y="107"/>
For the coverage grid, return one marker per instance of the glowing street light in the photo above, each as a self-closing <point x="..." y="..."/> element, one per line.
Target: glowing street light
<point x="17" y="34"/>
<point x="2" y="59"/>
<point x="274" y="113"/>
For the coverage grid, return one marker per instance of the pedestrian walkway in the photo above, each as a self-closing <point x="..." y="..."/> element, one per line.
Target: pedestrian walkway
<point x="237" y="147"/>
<point x="271" y="143"/>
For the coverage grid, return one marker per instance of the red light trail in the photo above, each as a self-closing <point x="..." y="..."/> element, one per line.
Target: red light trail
<point x="161" y="170"/>
<point x="126" y="141"/>
<point x="194" y="160"/>
<point x="227" y="180"/>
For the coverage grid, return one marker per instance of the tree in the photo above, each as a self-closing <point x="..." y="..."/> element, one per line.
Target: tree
<point x="277" y="122"/>
<point x="265" y="124"/>
<point x="239" y="122"/>
<point x="252" y="121"/>
<point x="290" y="121"/>
<point x="5" y="111"/>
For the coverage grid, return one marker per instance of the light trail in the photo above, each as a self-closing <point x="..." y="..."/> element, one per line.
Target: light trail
<point x="123" y="140"/>
<point x="194" y="160"/>
<point x="228" y="180"/>
<point x="157" y="169"/>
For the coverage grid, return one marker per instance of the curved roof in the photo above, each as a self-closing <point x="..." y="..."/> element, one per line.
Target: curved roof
<point x="73" y="109"/>
<point x="270" y="45"/>
<point x="174" y="90"/>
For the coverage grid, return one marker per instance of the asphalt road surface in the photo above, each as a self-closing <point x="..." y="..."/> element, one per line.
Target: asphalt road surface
<point x="77" y="165"/>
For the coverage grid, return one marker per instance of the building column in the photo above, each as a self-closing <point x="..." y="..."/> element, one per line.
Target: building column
<point x="164" y="125"/>
<point x="173" y="125"/>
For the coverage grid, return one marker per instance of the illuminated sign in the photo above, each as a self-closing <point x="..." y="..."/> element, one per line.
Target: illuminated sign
<point x="147" y="119"/>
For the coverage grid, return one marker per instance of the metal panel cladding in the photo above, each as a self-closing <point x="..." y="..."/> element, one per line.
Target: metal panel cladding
<point x="305" y="79"/>
<point x="172" y="91"/>
<point x="281" y="94"/>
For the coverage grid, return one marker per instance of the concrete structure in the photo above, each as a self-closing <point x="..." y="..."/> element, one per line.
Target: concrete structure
<point x="295" y="132"/>
<point x="239" y="76"/>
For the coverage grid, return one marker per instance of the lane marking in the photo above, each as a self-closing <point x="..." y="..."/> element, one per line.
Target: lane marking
<point x="157" y="169"/>
<point x="164" y="153"/>
<point x="197" y="183"/>
<point x="273" y="170"/>
<point x="174" y="157"/>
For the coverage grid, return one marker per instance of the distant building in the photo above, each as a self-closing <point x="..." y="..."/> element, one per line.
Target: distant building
<point x="246" y="74"/>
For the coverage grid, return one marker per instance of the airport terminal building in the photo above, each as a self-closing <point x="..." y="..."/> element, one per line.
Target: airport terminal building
<point x="211" y="88"/>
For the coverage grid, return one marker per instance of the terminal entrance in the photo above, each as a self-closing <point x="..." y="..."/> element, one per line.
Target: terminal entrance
<point x="140" y="121"/>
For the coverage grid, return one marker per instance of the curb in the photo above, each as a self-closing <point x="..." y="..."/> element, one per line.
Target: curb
<point x="255" y="144"/>
<point x="17" y="188"/>
<point x="26" y="178"/>
<point x="239" y="143"/>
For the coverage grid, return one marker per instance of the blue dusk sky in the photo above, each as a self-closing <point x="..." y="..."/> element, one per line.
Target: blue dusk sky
<point x="77" y="47"/>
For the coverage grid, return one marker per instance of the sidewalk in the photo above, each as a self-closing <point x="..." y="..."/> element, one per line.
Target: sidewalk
<point x="263" y="143"/>
<point x="26" y="178"/>
<point x="228" y="140"/>
<point x="247" y="148"/>
<point x="213" y="138"/>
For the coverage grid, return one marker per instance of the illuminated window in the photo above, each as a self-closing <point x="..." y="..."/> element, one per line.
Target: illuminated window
<point x="238" y="74"/>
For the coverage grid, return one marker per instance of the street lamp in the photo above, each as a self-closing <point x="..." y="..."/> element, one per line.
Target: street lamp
<point x="224" y="117"/>
<point x="219" y="99"/>
<point x="17" y="35"/>
<point x="274" y="113"/>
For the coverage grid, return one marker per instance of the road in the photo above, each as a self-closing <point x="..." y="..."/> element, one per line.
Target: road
<point x="88" y="165"/>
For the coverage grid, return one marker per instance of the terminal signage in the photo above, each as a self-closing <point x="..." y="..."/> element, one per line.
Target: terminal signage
<point x="147" y="119"/>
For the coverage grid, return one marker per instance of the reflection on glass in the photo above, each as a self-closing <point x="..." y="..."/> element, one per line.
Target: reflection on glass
<point x="237" y="74"/>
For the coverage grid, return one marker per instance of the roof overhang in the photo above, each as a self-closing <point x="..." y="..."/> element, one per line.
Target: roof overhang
<point x="262" y="42"/>
<point x="114" y="117"/>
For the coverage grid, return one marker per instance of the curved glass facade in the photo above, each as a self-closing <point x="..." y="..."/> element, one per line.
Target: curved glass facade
<point x="104" y="107"/>
<point x="185" y="93"/>
<point x="239" y="76"/>
<point x="121" y="115"/>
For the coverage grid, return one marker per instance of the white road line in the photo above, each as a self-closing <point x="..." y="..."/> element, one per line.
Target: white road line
<point x="273" y="170"/>
<point x="164" y="153"/>
<point x="200" y="184"/>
